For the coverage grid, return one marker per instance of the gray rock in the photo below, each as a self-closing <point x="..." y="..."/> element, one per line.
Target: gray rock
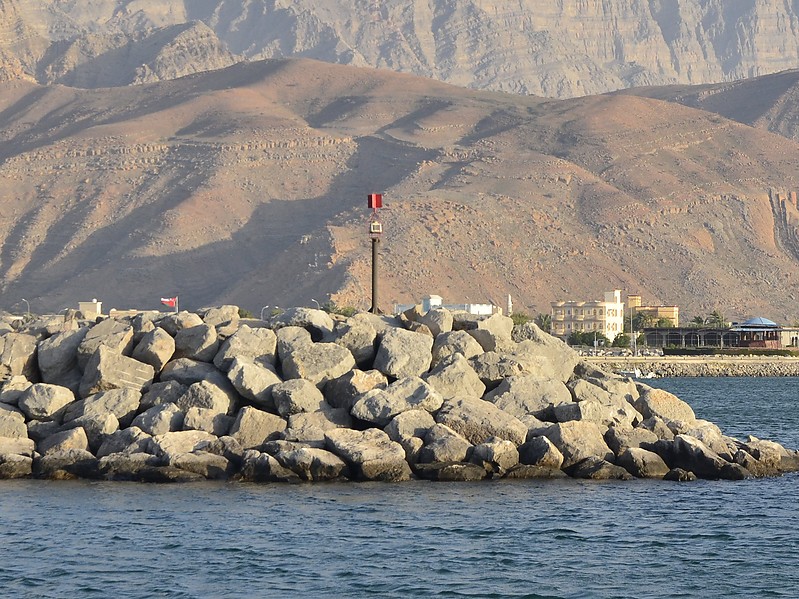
<point x="262" y="467"/>
<point x="665" y="405"/>
<point x="160" y="419"/>
<point x="13" y="388"/>
<point x="65" y="440"/>
<point x="15" y="466"/>
<point x="96" y="426"/>
<point x="540" y="451"/>
<point x="313" y="464"/>
<point x="199" y="343"/>
<point x="208" y="420"/>
<point x="642" y="463"/>
<point x="450" y="471"/>
<point x="496" y="456"/>
<point x="20" y="446"/>
<point x="58" y="356"/>
<point x="529" y="395"/>
<point x="207" y="394"/>
<point x="526" y="472"/>
<point x="693" y="455"/>
<point x="619" y="439"/>
<point x="455" y="342"/>
<point x="379" y="406"/>
<point x="413" y="423"/>
<point x="478" y="420"/>
<point x="66" y="465"/>
<point x="404" y="353"/>
<point x="122" y="403"/>
<point x="317" y="322"/>
<point x="561" y="358"/>
<point x="595" y="468"/>
<point x="186" y="372"/>
<point x="127" y="466"/>
<point x="115" y="335"/>
<point x="173" y="323"/>
<point x="155" y="348"/>
<point x="179" y="442"/>
<point x="129" y="440"/>
<point x="219" y="315"/>
<point x="359" y="336"/>
<point x="345" y="390"/>
<point x="254" y="382"/>
<point x="438" y="320"/>
<point x="43" y="401"/>
<point x="658" y="427"/>
<point x="255" y="345"/>
<point x="162" y="393"/>
<point x="18" y="356"/>
<point x="454" y="376"/>
<point x="208" y="465"/>
<point x="493" y="368"/>
<point x="12" y="422"/>
<point x="108" y="370"/>
<point x="679" y="475"/>
<point x="290" y="339"/>
<point x="620" y="413"/>
<point x="253" y="427"/>
<point x="442" y="444"/>
<point x="318" y="363"/>
<point x="295" y="396"/>
<point x="578" y="440"/>
<point x="310" y="427"/>
<point x="370" y="454"/>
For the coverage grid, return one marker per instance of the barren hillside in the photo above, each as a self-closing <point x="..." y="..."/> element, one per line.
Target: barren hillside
<point x="248" y="185"/>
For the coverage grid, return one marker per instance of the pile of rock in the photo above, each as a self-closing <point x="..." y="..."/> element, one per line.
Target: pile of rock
<point x="308" y="396"/>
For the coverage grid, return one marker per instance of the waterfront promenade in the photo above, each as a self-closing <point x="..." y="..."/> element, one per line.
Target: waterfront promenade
<point x="717" y="365"/>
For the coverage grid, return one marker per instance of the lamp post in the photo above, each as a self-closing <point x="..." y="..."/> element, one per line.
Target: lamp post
<point x="318" y="307"/>
<point x="28" y="306"/>
<point x="262" y="311"/>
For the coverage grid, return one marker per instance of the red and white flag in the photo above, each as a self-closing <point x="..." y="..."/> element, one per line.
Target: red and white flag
<point x="170" y="301"/>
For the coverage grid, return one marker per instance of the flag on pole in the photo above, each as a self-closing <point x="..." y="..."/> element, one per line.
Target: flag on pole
<point x="170" y="301"/>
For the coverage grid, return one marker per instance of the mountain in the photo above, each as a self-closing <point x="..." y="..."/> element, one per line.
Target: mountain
<point x="247" y="185"/>
<point x="558" y="48"/>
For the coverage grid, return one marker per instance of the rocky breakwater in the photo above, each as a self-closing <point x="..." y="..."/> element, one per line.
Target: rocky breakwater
<point x="310" y="397"/>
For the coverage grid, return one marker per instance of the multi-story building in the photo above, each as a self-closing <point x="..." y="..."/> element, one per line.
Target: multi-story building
<point x="670" y="313"/>
<point x="600" y="316"/>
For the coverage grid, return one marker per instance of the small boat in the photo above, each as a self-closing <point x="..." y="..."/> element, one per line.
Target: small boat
<point x="637" y="374"/>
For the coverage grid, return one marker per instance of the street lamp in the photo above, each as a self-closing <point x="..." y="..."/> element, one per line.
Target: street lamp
<point x="27" y="304"/>
<point x="318" y="307"/>
<point x="262" y="311"/>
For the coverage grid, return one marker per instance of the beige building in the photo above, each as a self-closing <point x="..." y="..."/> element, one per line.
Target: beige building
<point x="605" y="316"/>
<point x="670" y="313"/>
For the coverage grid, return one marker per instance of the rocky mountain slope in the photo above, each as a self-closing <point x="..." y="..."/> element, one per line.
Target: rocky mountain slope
<point x="247" y="185"/>
<point x="561" y="48"/>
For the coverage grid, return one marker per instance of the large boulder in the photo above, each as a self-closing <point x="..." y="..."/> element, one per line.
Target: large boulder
<point x="155" y="348"/>
<point x="248" y="344"/>
<point x="74" y="438"/>
<point x="404" y="353"/>
<point x="379" y="406"/>
<point x="58" y="357"/>
<point x="220" y="315"/>
<point x="262" y="467"/>
<point x="455" y="342"/>
<point x="541" y="452"/>
<point x="179" y="442"/>
<point x="43" y="401"/>
<point x="161" y="393"/>
<point x="164" y="418"/>
<point x="110" y="370"/>
<point x="561" y="358"/>
<point x="186" y="371"/>
<point x="578" y="440"/>
<point x="493" y="368"/>
<point x="253" y="427"/>
<point x="290" y="339"/>
<point x="295" y="396"/>
<point x="15" y="466"/>
<point x="310" y="427"/>
<point x="642" y="463"/>
<point x="616" y="413"/>
<point x="595" y="468"/>
<point x="129" y="440"/>
<point x="619" y="439"/>
<point x="438" y="320"/>
<point x="254" y="381"/>
<point x="206" y="394"/>
<point x="208" y="465"/>
<point x="454" y="376"/>
<point x="12" y="422"/>
<point x="442" y="444"/>
<point x="96" y="426"/>
<point x="18" y="356"/>
<point x="115" y="335"/>
<point x="496" y="456"/>
<point x="317" y="322"/>
<point x="122" y="403"/>
<point x="12" y="388"/>
<point x="665" y="405"/>
<point x="318" y="363"/>
<point x="529" y="395"/>
<point x="173" y="323"/>
<point x="478" y="420"/>
<point x="359" y="336"/>
<point x="199" y="343"/>
<point x="344" y="391"/>
<point x="208" y="420"/>
<point x="370" y="454"/>
<point x="313" y="464"/>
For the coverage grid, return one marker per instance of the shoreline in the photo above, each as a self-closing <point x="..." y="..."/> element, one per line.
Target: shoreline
<point x="701" y="366"/>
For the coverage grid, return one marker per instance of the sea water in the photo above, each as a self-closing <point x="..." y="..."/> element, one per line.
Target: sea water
<point x="422" y="539"/>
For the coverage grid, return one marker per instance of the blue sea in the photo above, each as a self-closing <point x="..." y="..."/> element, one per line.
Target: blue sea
<point x="422" y="539"/>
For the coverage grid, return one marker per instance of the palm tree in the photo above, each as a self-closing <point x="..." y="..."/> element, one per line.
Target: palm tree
<point x="698" y="321"/>
<point x="715" y="319"/>
<point x="544" y="322"/>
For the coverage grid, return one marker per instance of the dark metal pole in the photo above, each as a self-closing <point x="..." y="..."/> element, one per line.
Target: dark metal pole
<point x="374" y="309"/>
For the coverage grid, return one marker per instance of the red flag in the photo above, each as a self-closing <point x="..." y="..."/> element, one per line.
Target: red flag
<point x="170" y="301"/>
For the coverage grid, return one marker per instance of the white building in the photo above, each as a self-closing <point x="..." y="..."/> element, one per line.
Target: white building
<point x="606" y="317"/>
<point x="436" y="301"/>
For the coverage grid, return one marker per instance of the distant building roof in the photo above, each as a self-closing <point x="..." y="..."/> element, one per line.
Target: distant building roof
<point x="759" y="322"/>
